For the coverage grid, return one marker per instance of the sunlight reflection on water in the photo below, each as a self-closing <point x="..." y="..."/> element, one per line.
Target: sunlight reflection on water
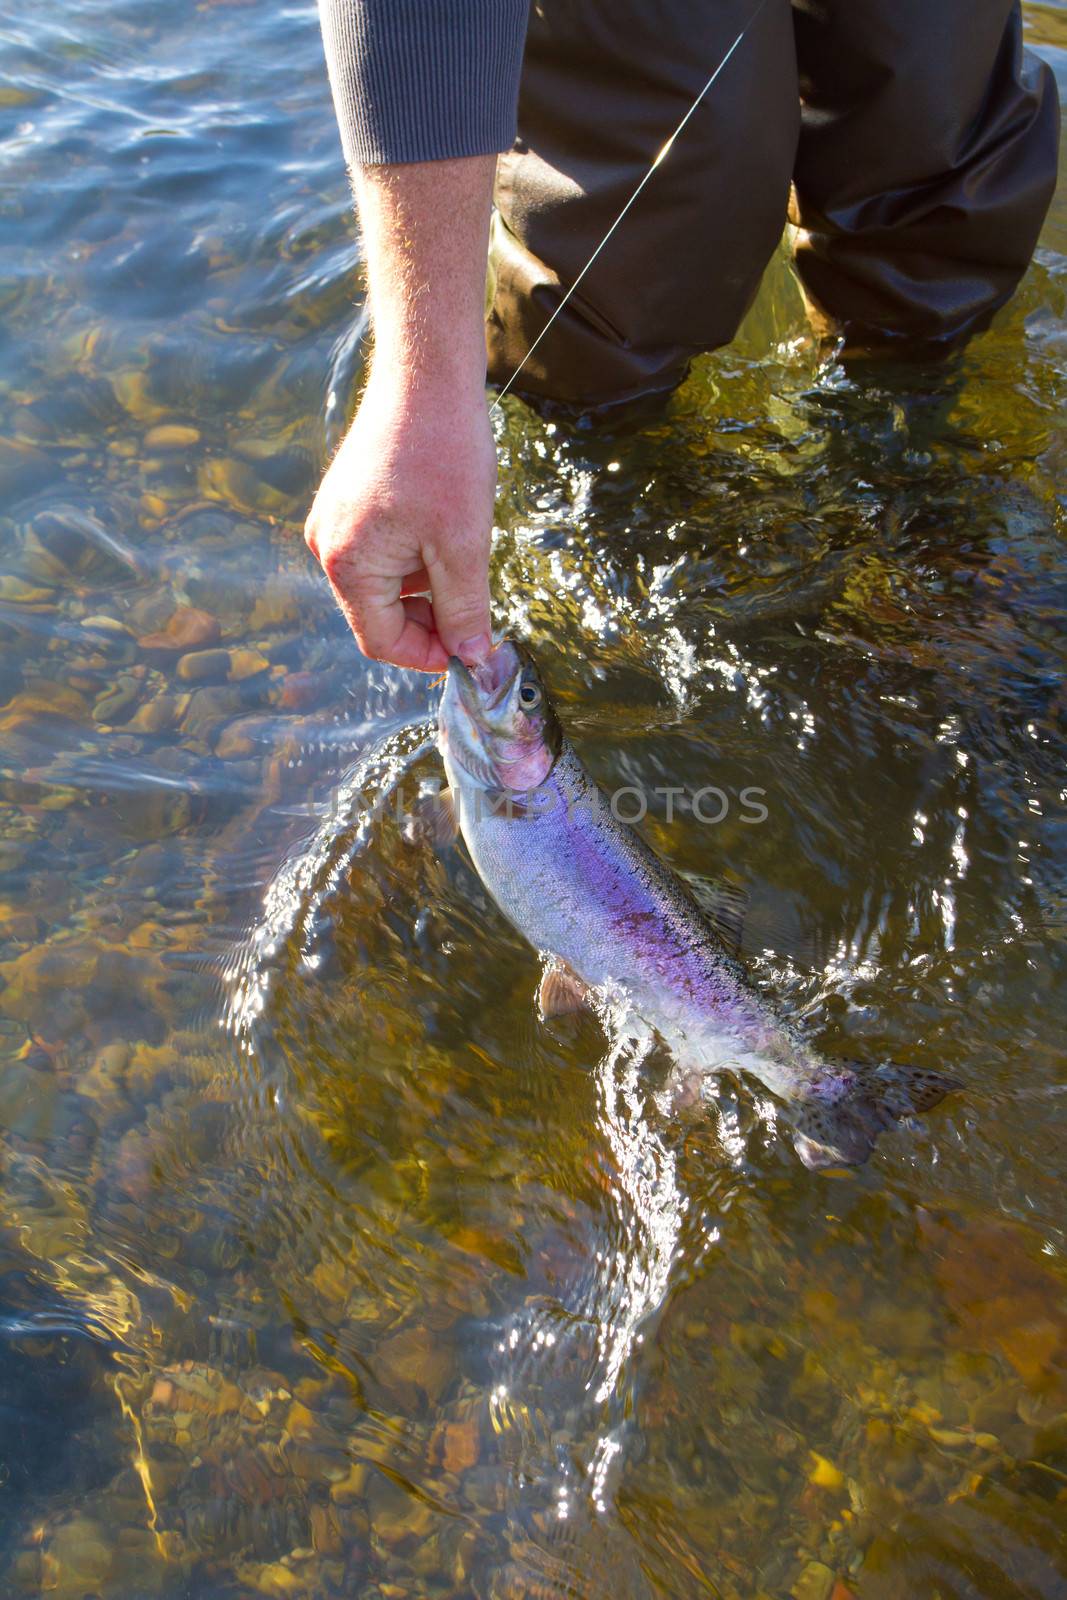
<point x="324" y="1267"/>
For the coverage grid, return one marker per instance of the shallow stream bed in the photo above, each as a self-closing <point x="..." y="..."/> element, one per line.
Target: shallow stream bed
<point x="327" y="1270"/>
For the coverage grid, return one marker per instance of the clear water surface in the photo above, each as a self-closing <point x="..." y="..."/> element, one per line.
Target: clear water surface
<point x="325" y="1269"/>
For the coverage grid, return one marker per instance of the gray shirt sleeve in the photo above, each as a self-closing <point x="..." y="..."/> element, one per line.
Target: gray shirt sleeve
<point x="423" y="80"/>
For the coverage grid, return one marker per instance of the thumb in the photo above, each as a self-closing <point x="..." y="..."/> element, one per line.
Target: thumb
<point x="459" y="587"/>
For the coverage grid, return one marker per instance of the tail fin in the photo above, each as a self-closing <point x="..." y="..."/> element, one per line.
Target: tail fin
<point x="839" y="1123"/>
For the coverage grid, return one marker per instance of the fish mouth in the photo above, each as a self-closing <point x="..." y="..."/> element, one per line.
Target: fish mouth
<point x="484" y="688"/>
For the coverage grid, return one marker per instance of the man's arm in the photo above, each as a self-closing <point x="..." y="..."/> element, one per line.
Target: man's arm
<point x="407" y="503"/>
<point x="425" y="96"/>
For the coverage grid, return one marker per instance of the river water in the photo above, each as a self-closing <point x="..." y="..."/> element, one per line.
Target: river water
<point x="325" y="1268"/>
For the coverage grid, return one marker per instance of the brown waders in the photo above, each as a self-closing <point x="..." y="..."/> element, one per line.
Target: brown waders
<point x="919" y="138"/>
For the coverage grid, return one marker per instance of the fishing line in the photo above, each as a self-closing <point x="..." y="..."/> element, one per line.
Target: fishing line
<point x="657" y="161"/>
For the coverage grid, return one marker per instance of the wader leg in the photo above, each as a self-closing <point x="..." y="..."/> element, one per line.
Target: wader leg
<point x="927" y="162"/>
<point x="605" y="83"/>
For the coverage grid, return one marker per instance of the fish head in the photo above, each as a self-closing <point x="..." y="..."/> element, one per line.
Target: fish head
<point x="496" y="722"/>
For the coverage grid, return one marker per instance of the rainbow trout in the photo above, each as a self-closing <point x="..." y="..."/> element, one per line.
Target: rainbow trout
<point x="613" y="919"/>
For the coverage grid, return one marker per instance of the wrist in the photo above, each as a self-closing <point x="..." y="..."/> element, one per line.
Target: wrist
<point x="411" y="378"/>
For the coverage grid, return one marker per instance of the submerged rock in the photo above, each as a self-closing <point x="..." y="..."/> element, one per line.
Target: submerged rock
<point x="204" y="666"/>
<point x="116" y="705"/>
<point x="189" y="629"/>
<point x="22" y="468"/>
<point x="18" y="591"/>
<point x="76" y="543"/>
<point x="300" y="691"/>
<point x="79" y="1559"/>
<point x="246" y="737"/>
<point x="209" y="707"/>
<point x="414" y="1360"/>
<point x="816" y="1582"/>
<point x="160" y="714"/>
<point x="236" y="484"/>
<point x="247" y="664"/>
<point x="110" y="639"/>
<point x="132" y="391"/>
<point x="171" y="436"/>
<point x="275" y="607"/>
<point x="104" y="1080"/>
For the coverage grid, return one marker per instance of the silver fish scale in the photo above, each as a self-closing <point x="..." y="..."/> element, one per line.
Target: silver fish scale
<point x="585" y="888"/>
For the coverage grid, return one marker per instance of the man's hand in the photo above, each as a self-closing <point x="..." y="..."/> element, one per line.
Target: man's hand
<point x="406" y="507"/>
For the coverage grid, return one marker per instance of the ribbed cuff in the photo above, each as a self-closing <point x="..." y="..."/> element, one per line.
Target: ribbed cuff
<point x="423" y="80"/>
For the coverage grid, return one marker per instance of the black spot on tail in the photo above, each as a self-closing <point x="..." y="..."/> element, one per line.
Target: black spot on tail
<point x="839" y="1123"/>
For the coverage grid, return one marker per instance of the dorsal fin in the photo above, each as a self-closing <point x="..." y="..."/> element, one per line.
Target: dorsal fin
<point x="759" y="922"/>
<point x="724" y="904"/>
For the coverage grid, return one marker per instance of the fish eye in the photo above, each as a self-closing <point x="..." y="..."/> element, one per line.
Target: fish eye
<point x="529" y="696"/>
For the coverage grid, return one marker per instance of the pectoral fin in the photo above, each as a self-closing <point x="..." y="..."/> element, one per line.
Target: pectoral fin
<point x="561" y="992"/>
<point x="432" y="820"/>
